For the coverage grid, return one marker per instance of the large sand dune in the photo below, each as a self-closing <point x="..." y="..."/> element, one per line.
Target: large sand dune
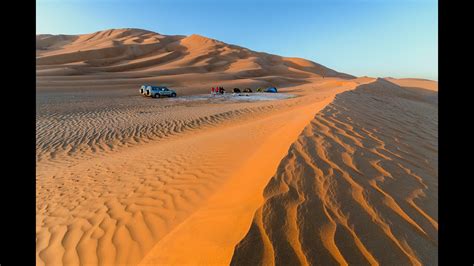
<point x="124" y="58"/>
<point x="124" y="180"/>
<point x="358" y="187"/>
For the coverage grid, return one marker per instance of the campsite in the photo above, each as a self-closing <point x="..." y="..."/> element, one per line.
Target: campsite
<point x="217" y="93"/>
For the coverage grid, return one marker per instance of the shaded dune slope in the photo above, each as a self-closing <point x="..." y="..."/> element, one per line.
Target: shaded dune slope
<point x="414" y="83"/>
<point x="358" y="187"/>
<point x="120" y="58"/>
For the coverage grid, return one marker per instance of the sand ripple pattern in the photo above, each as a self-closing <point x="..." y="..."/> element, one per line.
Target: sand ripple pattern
<point x="79" y="133"/>
<point x="100" y="204"/>
<point x="358" y="187"/>
<point x="119" y="210"/>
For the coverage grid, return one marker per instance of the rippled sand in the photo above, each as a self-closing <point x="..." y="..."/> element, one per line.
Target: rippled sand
<point x="320" y="174"/>
<point x="114" y="181"/>
<point x="358" y="187"/>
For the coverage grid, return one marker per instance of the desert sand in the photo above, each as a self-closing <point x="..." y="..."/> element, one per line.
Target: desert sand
<point x="358" y="187"/>
<point x="413" y="83"/>
<point x="199" y="180"/>
<point x="125" y="58"/>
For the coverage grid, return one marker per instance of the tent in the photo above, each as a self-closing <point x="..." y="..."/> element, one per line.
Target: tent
<point x="271" y="89"/>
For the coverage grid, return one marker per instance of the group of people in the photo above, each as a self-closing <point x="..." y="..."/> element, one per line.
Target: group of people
<point x="217" y="90"/>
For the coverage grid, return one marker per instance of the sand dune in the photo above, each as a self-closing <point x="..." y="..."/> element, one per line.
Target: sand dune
<point x="209" y="235"/>
<point x="415" y="83"/>
<point x="121" y="58"/>
<point x="358" y="187"/>
<point x="124" y="180"/>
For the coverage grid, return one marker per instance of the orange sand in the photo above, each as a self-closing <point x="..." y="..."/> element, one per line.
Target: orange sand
<point x="124" y="179"/>
<point x="359" y="186"/>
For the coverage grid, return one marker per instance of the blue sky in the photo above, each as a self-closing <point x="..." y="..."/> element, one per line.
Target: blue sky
<point x="380" y="38"/>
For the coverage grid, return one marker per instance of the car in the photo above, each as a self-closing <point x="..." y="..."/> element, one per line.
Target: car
<point x="159" y="91"/>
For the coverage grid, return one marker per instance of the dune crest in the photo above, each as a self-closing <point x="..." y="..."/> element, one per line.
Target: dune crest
<point x="358" y="187"/>
<point x="121" y="58"/>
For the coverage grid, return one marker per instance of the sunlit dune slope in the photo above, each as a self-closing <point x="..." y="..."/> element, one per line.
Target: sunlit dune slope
<point x="124" y="58"/>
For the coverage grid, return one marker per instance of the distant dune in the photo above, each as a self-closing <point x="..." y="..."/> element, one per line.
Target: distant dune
<point x="415" y="83"/>
<point x="123" y="58"/>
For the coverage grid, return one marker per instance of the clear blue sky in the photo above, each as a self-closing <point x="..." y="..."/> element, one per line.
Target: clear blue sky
<point x="380" y="38"/>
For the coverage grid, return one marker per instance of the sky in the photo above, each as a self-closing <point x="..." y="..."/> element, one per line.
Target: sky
<point x="377" y="38"/>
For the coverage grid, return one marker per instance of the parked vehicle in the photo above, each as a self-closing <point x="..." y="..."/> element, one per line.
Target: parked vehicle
<point x="157" y="92"/>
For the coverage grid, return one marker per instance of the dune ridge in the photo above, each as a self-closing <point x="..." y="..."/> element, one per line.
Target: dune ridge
<point x="358" y="187"/>
<point x="121" y="58"/>
<point x="208" y="236"/>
